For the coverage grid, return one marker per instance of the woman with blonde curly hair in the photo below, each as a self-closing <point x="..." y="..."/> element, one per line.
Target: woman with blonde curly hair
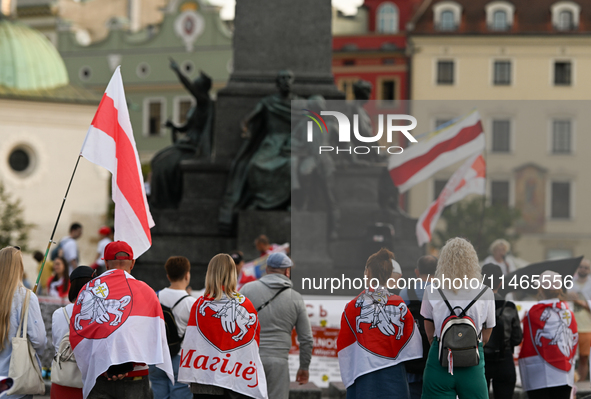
<point x="459" y="277"/>
<point x="12" y="297"/>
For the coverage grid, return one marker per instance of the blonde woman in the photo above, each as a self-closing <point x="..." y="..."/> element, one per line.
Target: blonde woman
<point x="457" y="264"/>
<point x="12" y="296"/>
<point x="220" y="352"/>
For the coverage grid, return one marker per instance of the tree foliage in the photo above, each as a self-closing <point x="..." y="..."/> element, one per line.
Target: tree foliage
<point x="14" y="230"/>
<point x="467" y="219"/>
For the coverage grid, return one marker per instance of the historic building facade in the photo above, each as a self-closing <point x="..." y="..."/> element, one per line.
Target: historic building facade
<point x="372" y="46"/>
<point x="190" y="32"/>
<point x="537" y="151"/>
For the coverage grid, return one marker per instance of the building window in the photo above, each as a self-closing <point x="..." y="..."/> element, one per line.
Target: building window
<point x="565" y="20"/>
<point x="21" y="160"/>
<point x="349" y="62"/>
<point x="560" y="207"/>
<point x="499" y="15"/>
<point x="388" y="93"/>
<point x="501" y="136"/>
<point x="438" y="185"/>
<point x="445" y="72"/>
<point x="499" y="192"/>
<point x="561" y="136"/>
<point x="500" y="20"/>
<point x="565" y="15"/>
<point x="562" y="73"/>
<point x="154" y="115"/>
<point x="502" y="73"/>
<point x="446" y="15"/>
<point x="447" y="22"/>
<point x="183" y="107"/>
<point x="388" y="18"/>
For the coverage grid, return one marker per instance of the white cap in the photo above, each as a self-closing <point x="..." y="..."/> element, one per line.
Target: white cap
<point x="556" y="282"/>
<point x="396" y="266"/>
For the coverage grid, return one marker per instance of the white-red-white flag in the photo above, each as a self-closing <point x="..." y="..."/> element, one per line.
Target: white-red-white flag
<point x="110" y="144"/>
<point x="117" y="319"/>
<point x="470" y="178"/>
<point x="419" y="161"/>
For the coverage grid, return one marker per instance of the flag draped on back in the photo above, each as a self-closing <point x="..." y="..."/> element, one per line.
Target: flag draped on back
<point x="377" y="331"/>
<point x="550" y="342"/>
<point x="117" y="319"/>
<point x="221" y="346"/>
<point x="420" y="161"/>
<point x="470" y="178"/>
<point x="110" y="144"/>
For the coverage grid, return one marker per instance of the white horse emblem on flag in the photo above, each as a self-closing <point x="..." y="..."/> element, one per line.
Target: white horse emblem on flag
<point x="232" y="314"/>
<point x="97" y="308"/>
<point x="375" y="311"/>
<point x="556" y="329"/>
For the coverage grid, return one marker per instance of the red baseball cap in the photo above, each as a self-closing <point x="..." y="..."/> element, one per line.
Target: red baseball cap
<point x="104" y="231"/>
<point x="114" y="248"/>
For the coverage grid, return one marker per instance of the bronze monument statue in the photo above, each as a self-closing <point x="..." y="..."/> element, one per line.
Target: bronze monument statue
<point x="167" y="177"/>
<point x="260" y="174"/>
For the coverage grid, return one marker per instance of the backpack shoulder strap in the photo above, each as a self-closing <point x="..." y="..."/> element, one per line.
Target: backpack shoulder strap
<point x="473" y="302"/>
<point x="412" y="294"/>
<point x="445" y="300"/>
<point x="179" y="301"/>
<point x="264" y="305"/>
<point x="66" y="315"/>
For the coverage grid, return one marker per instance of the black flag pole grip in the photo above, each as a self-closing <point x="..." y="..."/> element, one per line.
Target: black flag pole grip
<point x="55" y="226"/>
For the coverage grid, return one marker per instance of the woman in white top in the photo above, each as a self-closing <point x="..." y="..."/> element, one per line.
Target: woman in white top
<point x="458" y="260"/>
<point x="60" y="326"/>
<point x="12" y="296"/>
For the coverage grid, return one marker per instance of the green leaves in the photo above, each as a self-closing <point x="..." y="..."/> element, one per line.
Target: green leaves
<point x="14" y="230"/>
<point x="467" y="219"/>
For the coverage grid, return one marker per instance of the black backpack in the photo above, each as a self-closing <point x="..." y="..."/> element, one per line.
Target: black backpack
<point x="495" y="347"/>
<point x="417" y="366"/>
<point x="458" y="345"/>
<point x="172" y="332"/>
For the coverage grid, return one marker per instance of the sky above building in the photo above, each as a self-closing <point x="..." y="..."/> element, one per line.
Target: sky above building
<point x="348" y="7"/>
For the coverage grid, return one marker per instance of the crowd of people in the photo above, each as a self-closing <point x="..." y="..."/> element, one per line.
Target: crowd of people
<point x="118" y="338"/>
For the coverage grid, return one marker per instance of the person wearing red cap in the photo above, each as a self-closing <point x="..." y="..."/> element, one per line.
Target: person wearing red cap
<point x="116" y="292"/>
<point x="106" y="234"/>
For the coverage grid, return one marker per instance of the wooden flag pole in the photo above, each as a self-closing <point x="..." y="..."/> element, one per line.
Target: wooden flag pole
<point x="55" y="226"/>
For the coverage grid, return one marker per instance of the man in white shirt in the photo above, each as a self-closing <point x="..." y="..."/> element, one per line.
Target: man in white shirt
<point x="69" y="246"/>
<point x="175" y="297"/>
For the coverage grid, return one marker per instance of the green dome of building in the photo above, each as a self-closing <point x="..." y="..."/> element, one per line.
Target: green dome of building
<point x="28" y="60"/>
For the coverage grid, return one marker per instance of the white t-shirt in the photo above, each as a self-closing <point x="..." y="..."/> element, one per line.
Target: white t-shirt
<point x="100" y="249"/>
<point x="482" y="312"/>
<point x="59" y="325"/>
<point x="69" y="250"/>
<point x="168" y="297"/>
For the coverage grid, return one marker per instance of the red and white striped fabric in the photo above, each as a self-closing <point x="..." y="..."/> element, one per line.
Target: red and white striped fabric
<point x="221" y="346"/>
<point x="470" y="178"/>
<point x="420" y="161"/>
<point x="117" y="319"/>
<point x="110" y="144"/>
